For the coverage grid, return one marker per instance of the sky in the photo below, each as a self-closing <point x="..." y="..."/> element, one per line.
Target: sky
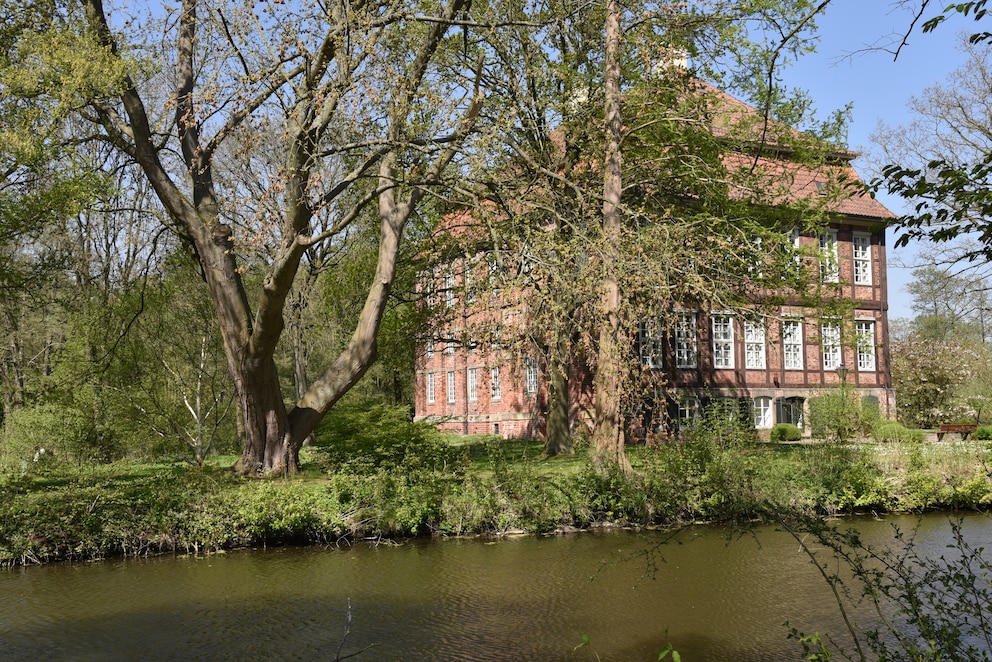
<point x="845" y="69"/>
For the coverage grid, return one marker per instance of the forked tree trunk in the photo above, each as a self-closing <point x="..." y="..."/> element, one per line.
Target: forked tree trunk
<point x="608" y="435"/>
<point x="272" y="436"/>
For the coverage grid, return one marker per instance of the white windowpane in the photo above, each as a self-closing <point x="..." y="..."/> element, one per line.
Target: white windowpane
<point x="762" y="408"/>
<point x="754" y="346"/>
<point x="829" y="272"/>
<point x="430" y="388"/>
<point x="469" y="283"/>
<point x="792" y="343"/>
<point x="649" y="344"/>
<point x="723" y="341"/>
<point x="866" y="345"/>
<point x="494" y="384"/>
<point x="449" y="290"/>
<point x="688" y="412"/>
<point x="862" y="259"/>
<point x="531" y="376"/>
<point x="830" y="345"/>
<point x="451" y="388"/>
<point x="685" y="340"/>
<point x="473" y="384"/>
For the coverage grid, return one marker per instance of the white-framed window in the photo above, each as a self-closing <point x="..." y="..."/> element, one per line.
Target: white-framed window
<point x="473" y="384"/>
<point x="530" y="375"/>
<point x="687" y="414"/>
<point x="762" y="411"/>
<point x="429" y="350"/>
<point x="649" y="344"/>
<point x="449" y="290"/>
<point x="495" y="388"/>
<point x="685" y="340"/>
<point x="829" y="257"/>
<point x="756" y="258"/>
<point x="468" y="280"/>
<point x="795" y="238"/>
<point x="451" y="387"/>
<point x="865" y="333"/>
<point x="723" y="341"/>
<point x="430" y="388"/>
<point x="754" y="346"/>
<point x="492" y="274"/>
<point x="862" y="258"/>
<point x="449" y="348"/>
<point x="792" y="344"/>
<point x="830" y="344"/>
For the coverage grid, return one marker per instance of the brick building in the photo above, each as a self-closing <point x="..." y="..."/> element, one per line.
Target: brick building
<point x="771" y="366"/>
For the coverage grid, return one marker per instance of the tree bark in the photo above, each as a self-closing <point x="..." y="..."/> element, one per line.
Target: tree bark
<point x="272" y="436"/>
<point x="558" y="435"/>
<point x="608" y="434"/>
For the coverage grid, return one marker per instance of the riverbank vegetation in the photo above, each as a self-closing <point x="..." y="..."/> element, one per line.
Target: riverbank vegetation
<point x="372" y="474"/>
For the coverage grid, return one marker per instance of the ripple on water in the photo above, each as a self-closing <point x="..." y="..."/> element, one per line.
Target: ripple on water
<point x="712" y="596"/>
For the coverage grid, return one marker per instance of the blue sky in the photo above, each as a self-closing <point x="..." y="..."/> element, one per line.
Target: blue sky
<point x="842" y="72"/>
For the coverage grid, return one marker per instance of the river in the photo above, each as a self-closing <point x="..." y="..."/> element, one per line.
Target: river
<point x="711" y="593"/>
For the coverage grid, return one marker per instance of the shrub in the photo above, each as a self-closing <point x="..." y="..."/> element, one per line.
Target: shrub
<point x="840" y="415"/>
<point x="66" y="434"/>
<point x="890" y="431"/>
<point x="893" y="431"/>
<point x="984" y="433"/>
<point x="785" y="432"/>
<point x="365" y="439"/>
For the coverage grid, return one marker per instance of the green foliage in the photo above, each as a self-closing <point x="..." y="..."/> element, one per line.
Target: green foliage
<point x="925" y="373"/>
<point x="66" y="434"/>
<point x="891" y="431"/>
<point x="364" y="438"/>
<point x="785" y="432"/>
<point x="48" y="69"/>
<point x="984" y="433"/>
<point x="921" y="606"/>
<point x="840" y="414"/>
<point x="63" y="512"/>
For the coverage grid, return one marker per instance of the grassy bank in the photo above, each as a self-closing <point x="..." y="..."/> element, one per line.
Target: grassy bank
<point x="478" y="486"/>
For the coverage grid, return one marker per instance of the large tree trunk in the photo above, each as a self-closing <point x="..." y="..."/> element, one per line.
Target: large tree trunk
<point x="272" y="437"/>
<point x="608" y="435"/>
<point x="268" y="445"/>
<point x="558" y="435"/>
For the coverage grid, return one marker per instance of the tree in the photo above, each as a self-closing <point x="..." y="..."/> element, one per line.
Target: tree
<point x="926" y="373"/>
<point x="46" y="68"/>
<point x="948" y="305"/>
<point x="370" y="103"/>
<point x="693" y="210"/>
<point x="941" y="161"/>
<point x="608" y="433"/>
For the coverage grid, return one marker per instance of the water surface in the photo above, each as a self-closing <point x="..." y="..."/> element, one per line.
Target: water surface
<point x="713" y="594"/>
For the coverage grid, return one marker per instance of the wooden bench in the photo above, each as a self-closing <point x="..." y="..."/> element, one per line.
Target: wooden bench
<point x="963" y="429"/>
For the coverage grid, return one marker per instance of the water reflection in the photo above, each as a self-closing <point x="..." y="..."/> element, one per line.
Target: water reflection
<point x="714" y="595"/>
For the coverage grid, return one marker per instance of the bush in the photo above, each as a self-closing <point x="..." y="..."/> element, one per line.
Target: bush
<point x="984" y="433"/>
<point x="48" y="434"/>
<point x="890" y="431"/>
<point x="841" y="414"/>
<point x="785" y="432"/>
<point x="364" y="439"/>
<point x="893" y="431"/>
